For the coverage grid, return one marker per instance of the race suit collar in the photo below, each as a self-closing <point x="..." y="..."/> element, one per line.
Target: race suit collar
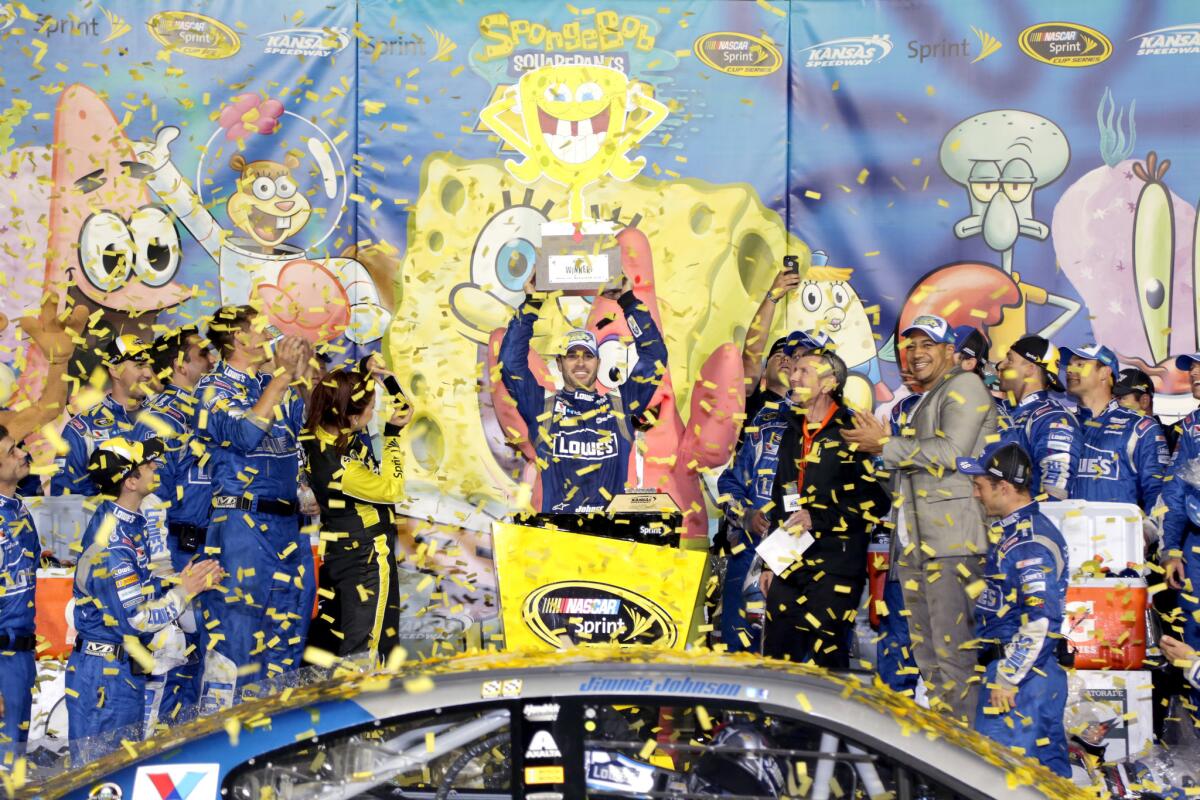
<point x="10" y="503"/>
<point x="118" y="410"/>
<point x="1027" y="510"/>
<point x="125" y="515"/>
<point x="1033" y="397"/>
<point x="234" y="373"/>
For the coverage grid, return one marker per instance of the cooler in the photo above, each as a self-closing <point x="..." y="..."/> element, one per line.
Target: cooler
<point x="1128" y="693"/>
<point x="1106" y="622"/>
<point x="1104" y="536"/>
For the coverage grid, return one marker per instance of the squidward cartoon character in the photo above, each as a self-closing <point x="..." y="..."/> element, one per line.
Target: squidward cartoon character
<point x="1002" y="158"/>
<point x="574" y="124"/>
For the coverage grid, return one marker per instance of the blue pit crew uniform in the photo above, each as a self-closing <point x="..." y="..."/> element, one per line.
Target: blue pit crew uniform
<point x="19" y="551"/>
<point x="1181" y="535"/>
<point x="1050" y="434"/>
<point x="186" y="485"/>
<point x="893" y="651"/>
<point x="1123" y="458"/>
<point x="81" y="434"/>
<point x="116" y="596"/>
<point x="264" y="614"/>
<point x="1018" y="616"/>
<point x="583" y="439"/>
<point x="745" y="487"/>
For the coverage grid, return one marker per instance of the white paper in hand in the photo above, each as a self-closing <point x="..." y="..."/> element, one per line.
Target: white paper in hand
<point x="781" y="549"/>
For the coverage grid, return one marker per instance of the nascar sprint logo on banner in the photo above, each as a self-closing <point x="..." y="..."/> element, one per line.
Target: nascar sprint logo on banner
<point x="591" y="612"/>
<point x="738" y="54"/>
<point x="1065" y="44"/>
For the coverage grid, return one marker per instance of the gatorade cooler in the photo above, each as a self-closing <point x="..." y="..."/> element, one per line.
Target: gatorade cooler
<point x="1106" y="622"/>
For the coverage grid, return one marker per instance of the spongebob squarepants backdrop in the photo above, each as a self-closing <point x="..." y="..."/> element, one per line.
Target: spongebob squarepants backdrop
<point x="378" y="175"/>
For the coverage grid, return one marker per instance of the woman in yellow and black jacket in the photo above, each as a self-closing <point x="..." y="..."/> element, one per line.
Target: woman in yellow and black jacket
<point x="358" y="609"/>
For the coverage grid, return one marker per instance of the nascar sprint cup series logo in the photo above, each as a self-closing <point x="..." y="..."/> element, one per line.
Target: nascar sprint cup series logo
<point x="1065" y="44"/>
<point x="597" y="613"/>
<point x="849" y="51"/>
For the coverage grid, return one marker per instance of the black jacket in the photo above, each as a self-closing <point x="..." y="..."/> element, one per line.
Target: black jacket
<point x="844" y="492"/>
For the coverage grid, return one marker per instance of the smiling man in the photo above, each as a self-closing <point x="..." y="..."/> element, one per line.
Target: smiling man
<point x="939" y="553"/>
<point x="583" y="439"/>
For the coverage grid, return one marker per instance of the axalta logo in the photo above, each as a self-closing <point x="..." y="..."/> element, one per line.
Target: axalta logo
<point x="176" y="782"/>
<point x="597" y="613"/>
<point x="849" y="51"/>
<point x="195" y="35"/>
<point x="314" y="42"/>
<point x="738" y="54"/>
<point x="1175" y="40"/>
<point x="1065" y="44"/>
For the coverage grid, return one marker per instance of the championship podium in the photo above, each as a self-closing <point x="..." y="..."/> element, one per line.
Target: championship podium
<point x="613" y="578"/>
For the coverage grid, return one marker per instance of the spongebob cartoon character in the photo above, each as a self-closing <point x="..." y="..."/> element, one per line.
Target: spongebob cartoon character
<point x="574" y="124"/>
<point x="826" y="302"/>
<point x="266" y="205"/>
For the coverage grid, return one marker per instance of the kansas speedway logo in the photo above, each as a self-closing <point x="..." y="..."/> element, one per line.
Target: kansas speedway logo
<point x="738" y="54"/>
<point x="1065" y="44"/>
<point x="588" y="612"/>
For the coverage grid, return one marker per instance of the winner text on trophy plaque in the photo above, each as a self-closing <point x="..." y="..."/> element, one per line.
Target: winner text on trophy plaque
<point x="577" y="260"/>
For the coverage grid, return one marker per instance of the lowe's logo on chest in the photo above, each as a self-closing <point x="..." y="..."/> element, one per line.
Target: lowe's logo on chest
<point x="586" y="444"/>
<point x="1099" y="464"/>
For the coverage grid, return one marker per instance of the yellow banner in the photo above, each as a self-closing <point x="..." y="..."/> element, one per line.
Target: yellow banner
<point x="558" y="589"/>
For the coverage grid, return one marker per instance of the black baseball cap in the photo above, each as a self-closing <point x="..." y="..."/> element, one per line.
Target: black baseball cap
<point x="1133" y="381"/>
<point x="114" y="459"/>
<point x="1039" y="351"/>
<point x="971" y="342"/>
<point x="1006" y="461"/>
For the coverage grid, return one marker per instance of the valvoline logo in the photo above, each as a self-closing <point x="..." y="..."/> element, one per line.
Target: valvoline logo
<point x="176" y="782"/>
<point x="589" y="612"/>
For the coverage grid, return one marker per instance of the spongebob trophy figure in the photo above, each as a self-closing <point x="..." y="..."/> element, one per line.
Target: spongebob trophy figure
<point x="574" y="125"/>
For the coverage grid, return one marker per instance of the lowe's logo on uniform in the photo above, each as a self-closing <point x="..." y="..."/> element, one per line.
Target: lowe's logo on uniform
<point x="849" y="51"/>
<point x="317" y="42"/>
<point x="1099" y="464"/>
<point x="586" y="444"/>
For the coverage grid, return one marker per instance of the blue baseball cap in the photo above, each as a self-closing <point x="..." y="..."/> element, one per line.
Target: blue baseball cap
<point x="932" y="326"/>
<point x="1184" y="362"/>
<point x="1093" y="352"/>
<point x="1007" y="461"/>
<point x="804" y="340"/>
<point x="971" y="342"/>
<point x="580" y="338"/>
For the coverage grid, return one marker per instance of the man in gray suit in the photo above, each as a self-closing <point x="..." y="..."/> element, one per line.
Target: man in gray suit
<point x="941" y="534"/>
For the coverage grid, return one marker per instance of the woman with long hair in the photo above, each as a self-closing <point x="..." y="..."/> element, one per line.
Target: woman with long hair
<point x="359" y="603"/>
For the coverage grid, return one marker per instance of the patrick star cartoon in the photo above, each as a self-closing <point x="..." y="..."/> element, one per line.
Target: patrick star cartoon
<point x="114" y="250"/>
<point x="671" y="453"/>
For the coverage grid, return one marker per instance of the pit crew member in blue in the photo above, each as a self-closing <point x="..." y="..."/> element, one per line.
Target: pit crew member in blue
<point x="1181" y="523"/>
<point x="19" y="551"/>
<point x="1044" y="427"/>
<point x="251" y="423"/>
<point x="130" y="377"/>
<point x="180" y="358"/>
<point x="119" y="602"/>
<point x="1020" y="612"/>
<point x="1124" y="456"/>
<point x="583" y="439"/>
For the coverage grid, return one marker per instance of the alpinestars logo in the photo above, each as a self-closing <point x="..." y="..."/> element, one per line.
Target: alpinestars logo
<point x="176" y="782"/>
